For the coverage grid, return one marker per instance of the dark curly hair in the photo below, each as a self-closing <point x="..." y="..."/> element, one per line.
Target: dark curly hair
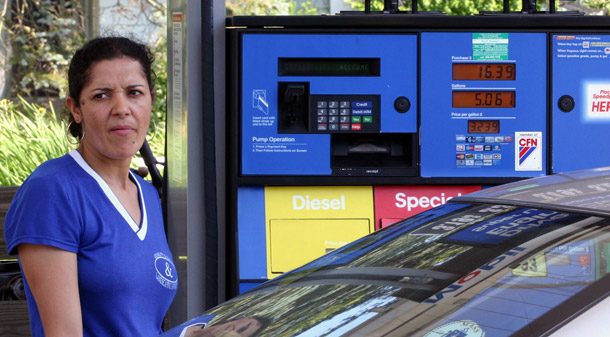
<point x="103" y="49"/>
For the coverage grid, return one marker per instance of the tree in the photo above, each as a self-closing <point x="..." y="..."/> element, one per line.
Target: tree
<point x="455" y="7"/>
<point x="269" y="7"/>
<point x="598" y="4"/>
<point x="41" y="36"/>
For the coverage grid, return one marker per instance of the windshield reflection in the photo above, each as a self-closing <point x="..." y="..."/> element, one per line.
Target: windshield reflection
<point x="457" y="266"/>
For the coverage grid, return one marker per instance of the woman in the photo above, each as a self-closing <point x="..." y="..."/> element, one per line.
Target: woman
<point x="89" y="233"/>
<point x="240" y="327"/>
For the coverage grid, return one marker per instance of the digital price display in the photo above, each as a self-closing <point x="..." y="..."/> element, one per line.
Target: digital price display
<point x="484" y="71"/>
<point x="483" y="99"/>
<point x="325" y="66"/>
<point x="483" y="126"/>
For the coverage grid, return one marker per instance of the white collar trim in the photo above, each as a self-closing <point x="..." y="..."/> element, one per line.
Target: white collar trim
<point x="139" y="230"/>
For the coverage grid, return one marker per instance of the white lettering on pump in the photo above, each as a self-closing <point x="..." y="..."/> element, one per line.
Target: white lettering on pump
<point x="411" y="202"/>
<point x="305" y="203"/>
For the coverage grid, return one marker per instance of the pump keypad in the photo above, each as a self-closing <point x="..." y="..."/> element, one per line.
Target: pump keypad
<point x="345" y="113"/>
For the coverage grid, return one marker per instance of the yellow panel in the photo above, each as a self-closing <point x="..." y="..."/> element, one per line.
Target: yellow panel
<point x="304" y="222"/>
<point x="309" y="202"/>
<point x="295" y="242"/>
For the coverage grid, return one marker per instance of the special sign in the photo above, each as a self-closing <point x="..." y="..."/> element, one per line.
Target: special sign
<point x="598" y="101"/>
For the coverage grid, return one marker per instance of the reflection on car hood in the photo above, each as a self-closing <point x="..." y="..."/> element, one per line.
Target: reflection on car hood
<point x="491" y="268"/>
<point x="579" y="191"/>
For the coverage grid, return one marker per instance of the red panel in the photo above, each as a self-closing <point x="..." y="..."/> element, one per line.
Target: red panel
<point x="399" y="202"/>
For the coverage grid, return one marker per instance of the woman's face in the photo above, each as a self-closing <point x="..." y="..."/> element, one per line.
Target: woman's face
<point x="242" y="327"/>
<point x="114" y="109"/>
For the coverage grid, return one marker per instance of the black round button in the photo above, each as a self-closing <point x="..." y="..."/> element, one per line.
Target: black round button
<point x="566" y="103"/>
<point x="402" y="104"/>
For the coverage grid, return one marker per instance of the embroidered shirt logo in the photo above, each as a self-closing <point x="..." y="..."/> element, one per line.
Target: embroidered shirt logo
<point x="166" y="271"/>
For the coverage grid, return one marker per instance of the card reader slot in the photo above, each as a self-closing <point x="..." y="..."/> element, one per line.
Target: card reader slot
<point x="293" y="107"/>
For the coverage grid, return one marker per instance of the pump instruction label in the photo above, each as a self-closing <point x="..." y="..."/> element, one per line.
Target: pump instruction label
<point x="581" y="47"/>
<point x="490" y="46"/>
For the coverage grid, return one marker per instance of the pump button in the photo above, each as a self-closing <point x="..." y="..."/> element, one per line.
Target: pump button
<point x="566" y="103"/>
<point x="345" y="113"/>
<point x="402" y="104"/>
<point x="362" y="104"/>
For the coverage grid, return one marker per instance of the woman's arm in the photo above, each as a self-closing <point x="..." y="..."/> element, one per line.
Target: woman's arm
<point x="52" y="276"/>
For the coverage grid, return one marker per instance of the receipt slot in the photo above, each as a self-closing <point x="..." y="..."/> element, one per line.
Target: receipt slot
<point x="329" y="104"/>
<point x="580" y="101"/>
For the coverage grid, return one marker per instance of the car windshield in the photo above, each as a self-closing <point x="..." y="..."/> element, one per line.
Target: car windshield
<point x="456" y="270"/>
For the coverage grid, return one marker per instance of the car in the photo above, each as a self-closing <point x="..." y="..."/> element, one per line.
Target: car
<point x="528" y="258"/>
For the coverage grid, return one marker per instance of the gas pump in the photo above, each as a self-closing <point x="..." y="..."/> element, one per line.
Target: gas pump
<point x="341" y="124"/>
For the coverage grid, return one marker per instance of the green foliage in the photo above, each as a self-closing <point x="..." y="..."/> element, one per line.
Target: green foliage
<point x="452" y="7"/>
<point x="269" y="7"/>
<point x="42" y="36"/>
<point x="29" y="134"/>
<point x="306" y="8"/>
<point x="597" y="4"/>
<point x="254" y="7"/>
<point x="468" y="7"/>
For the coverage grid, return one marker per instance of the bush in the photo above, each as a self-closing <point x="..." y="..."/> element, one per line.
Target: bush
<point x="30" y="135"/>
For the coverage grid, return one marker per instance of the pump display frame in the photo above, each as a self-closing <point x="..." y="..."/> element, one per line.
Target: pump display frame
<point x="511" y="140"/>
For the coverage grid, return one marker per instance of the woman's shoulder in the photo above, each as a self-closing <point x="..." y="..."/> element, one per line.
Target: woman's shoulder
<point x="51" y="174"/>
<point x="57" y="165"/>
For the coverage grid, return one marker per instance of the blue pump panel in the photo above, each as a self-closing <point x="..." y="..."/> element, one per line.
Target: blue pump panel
<point x="251" y="235"/>
<point x="580" y="101"/>
<point x="483" y="104"/>
<point x="298" y="90"/>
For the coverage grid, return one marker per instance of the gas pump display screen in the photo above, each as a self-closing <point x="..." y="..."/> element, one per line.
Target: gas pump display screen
<point x="484" y="71"/>
<point x="328" y="66"/>
<point x="483" y="126"/>
<point x="484" y="99"/>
